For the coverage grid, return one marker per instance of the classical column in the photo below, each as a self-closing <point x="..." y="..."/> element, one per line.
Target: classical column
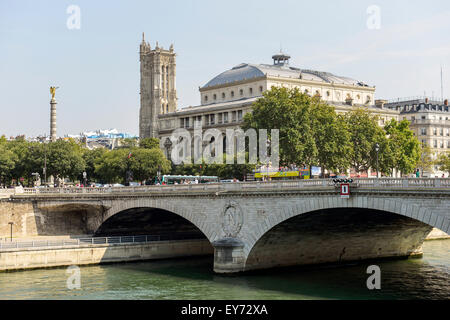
<point x="53" y="119"/>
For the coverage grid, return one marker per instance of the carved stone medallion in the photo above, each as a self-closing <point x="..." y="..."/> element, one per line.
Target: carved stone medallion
<point x="232" y="219"/>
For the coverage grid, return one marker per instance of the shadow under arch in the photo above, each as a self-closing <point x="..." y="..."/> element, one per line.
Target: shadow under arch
<point x="337" y="235"/>
<point x="149" y="221"/>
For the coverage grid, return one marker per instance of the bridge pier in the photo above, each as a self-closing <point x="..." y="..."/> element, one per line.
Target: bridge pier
<point x="229" y="255"/>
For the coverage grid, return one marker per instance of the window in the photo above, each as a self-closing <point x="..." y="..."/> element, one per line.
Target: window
<point x="251" y="91"/>
<point x="435" y="143"/>
<point x="219" y="119"/>
<point x="239" y="115"/>
<point x="442" y="144"/>
<point x="206" y="98"/>
<point x="186" y="122"/>
<point x="260" y="88"/>
<point x="423" y="117"/>
<point x="225" y="117"/>
<point x="212" y="119"/>
<point x="423" y="131"/>
<point x="328" y="93"/>
<point x="167" y="108"/>
<point x="215" y="96"/>
<point x="442" y="131"/>
<point x="233" y="116"/>
<point x="223" y="95"/>
<point x="181" y="123"/>
<point x="232" y="94"/>
<point x="435" y="131"/>
<point x="241" y="92"/>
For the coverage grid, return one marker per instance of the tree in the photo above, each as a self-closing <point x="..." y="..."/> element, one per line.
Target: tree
<point x="8" y="162"/>
<point x="404" y="146"/>
<point x="443" y="162"/>
<point x="145" y="163"/>
<point x="149" y="143"/>
<point x="290" y="111"/>
<point x="426" y="161"/>
<point x="91" y="157"/>
<point x="332" y="138"/>
<point x="364" y="135"/>
<point x="64" y="159"/>
<point x="111" y="167"/>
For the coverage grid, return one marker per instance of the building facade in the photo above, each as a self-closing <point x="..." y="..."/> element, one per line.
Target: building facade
<point x="430" y="122"/>
<point x="225" y="99"/>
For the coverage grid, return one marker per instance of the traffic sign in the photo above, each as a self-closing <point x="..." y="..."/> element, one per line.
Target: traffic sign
<point x="345" y="190"/>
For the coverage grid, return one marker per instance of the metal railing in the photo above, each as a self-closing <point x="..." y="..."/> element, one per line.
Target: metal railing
<point x="242" y="186"/>
<point x="6" y="244"/>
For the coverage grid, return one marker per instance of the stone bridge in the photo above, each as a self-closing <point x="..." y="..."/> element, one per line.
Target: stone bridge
<point x="254" y="225"/>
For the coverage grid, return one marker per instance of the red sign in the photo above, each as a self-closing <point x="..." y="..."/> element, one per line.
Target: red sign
<point x="345" y="190"/>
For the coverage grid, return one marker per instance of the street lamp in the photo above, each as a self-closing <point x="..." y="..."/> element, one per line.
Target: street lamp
<point x="11" y="224"/>
<point x="377" y="148"/>
<point x="85" y="178"/>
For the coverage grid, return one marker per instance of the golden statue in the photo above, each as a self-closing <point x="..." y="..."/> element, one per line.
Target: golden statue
<point x="53" y="91"/>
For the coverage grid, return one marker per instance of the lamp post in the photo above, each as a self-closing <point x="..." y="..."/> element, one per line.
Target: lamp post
<point x="45" y="164"/>
<point x="11" y="224"/>
<point x="377" y="148"/>
<point x="85" y="178"/>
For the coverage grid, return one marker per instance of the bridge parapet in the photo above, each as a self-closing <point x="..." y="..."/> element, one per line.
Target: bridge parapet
<point x="393" y="183"/>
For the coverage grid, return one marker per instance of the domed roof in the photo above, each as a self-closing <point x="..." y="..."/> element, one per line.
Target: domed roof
<point x="245" y="71"/>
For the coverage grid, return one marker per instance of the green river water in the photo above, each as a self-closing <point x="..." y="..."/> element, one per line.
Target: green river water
<point x="426" y="278"/>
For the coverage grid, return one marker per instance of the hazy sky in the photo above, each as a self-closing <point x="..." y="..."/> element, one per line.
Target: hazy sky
<point x="97" y="66"/>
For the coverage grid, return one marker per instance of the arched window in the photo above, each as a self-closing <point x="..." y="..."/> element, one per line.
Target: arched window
<point x="167" y="108"/>
<point x="223" y="95"/>
<point x="241" y="92"/>
<point x="250" y="90"/>
<point x="260" y="88"/>
<point x="232" y="94"/>
<point x="206" y="98"/>
<point x="215" y="96"/>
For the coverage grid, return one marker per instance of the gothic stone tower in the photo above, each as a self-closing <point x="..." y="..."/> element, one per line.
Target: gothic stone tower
<point x="158" y="92"/>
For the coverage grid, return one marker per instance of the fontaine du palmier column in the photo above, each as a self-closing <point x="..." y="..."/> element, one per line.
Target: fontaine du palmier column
<point x="53" y="114"/>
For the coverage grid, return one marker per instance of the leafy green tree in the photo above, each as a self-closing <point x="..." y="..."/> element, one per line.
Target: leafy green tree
<point x="20" y="147"/>
<point x="144" y="163"/>
<point x="149" y="143"/>
<point x="404" y="146"/>
<point x="127" y="143"/>
<point x="365" y="133"/>
<point x="91" y="157"/>
<point x="443" y="162"/>
<point x="8" y="161"/>
<point x="112" y="166"/>
<point x="332" y="138"/>
<point x="290" y="111"/>
<point x="64" y="159"/>
<point x="426" y="161"/>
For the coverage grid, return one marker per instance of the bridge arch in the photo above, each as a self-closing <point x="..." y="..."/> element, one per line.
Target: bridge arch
<point x="118" y="207"/>
<point x="424" y="217"/>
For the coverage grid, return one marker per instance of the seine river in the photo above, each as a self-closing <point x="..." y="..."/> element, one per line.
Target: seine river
<point x="426" y="278"/>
